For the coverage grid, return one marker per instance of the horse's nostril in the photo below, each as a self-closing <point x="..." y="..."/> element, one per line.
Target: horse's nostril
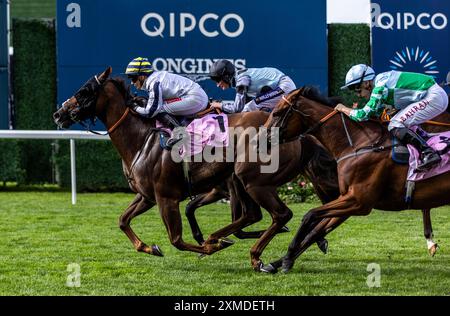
<point x="56" y="116"/>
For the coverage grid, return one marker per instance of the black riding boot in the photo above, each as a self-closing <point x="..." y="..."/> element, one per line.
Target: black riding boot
<point x="428" y="157"/>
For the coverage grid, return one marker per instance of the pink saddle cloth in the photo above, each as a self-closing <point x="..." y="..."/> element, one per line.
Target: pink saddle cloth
<point x="439" y="142"/>
<point x="210" y="130"/>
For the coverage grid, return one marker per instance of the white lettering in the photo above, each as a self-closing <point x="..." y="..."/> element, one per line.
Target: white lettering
<point x="187" y="22"/>
<point x="201" y="24"/>
<point x="419" y="21"/>
<point x="189" y="69"/>
<point x="158" y="31"/>
<point x="186" y="28"/>
<point x="389" y="17"/>
<point x="406" y="20"/>
<point x="190" y="65"/>
<point x="74" y="18"/>
<point x="442" y="25"/>
<point x="239" y="20"/>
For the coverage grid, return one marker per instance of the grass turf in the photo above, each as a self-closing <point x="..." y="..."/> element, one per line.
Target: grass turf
<point x="42" y="233"/>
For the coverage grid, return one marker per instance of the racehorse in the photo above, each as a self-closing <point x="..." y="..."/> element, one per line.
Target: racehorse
<point x="157" y="179"/>
<point x="366" y="181"/>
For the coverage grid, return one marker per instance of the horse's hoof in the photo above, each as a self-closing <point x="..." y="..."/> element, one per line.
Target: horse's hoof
<point x="156" y="251"/>
<point x="285" y="229"/>
<point x="269" y="269"/>
<point x="323" y="245"/>
<point x="257" y="267"/>
<point x="202" y="255"/>
<point x="433" y="249"/>
<point x="287" y="266"/>
<point x="225" y="242"/>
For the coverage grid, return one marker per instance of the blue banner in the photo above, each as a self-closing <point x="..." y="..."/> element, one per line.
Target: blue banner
<point x="187" y="36"/>
<point x="412" y="36"/>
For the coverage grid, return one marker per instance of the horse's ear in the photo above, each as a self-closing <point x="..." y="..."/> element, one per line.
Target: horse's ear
<point x="105" y="74"/>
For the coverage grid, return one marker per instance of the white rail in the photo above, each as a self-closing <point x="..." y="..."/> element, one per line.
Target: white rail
<point x="71" y="135"/>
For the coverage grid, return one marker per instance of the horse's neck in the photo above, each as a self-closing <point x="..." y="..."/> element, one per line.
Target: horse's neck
<point x="339" y="137"/>
<point x="130" y="134"/>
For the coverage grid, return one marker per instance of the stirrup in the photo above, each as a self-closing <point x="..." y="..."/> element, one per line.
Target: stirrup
<point x="429" y="161"/>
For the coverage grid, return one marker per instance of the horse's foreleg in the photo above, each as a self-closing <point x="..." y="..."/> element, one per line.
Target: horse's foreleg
<point x="281" y="214"/>
<point x="138" y="206"/>
<point x="313" y="223"/>
<point x="428" y="232"/>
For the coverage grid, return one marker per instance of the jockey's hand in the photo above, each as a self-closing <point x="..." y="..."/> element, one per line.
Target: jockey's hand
<point x="216" y="105"/>
<point x="343" y="109"/>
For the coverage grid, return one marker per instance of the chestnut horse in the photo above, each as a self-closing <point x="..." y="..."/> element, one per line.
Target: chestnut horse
<point x="158" y="179"/>
<point x="367" y="180"/>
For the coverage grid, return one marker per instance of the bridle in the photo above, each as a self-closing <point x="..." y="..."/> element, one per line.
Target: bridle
<point x="88" y="126"/>
<point x="292" y="109"/>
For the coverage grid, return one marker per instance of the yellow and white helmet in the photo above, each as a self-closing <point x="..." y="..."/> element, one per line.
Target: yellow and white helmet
<point x="139" y="66"/>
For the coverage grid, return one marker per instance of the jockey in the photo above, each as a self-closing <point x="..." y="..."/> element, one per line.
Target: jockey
<point x="168" y="94"/>
<point x="263" y="86"/>
<point x="417" y="97"/>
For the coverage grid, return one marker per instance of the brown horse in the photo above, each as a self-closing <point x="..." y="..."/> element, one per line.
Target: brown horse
<point x="368" y="179"/>
<point x="326" y="188"/>
<point x="158" y="179"/>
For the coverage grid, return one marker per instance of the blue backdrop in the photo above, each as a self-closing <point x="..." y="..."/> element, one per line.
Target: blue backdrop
<point x="186" y="36"/>
<point x="411" y="35"/>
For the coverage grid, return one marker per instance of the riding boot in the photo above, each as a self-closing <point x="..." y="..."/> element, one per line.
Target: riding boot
<point x="428" y="157"/>
<point x="169" y="121"/>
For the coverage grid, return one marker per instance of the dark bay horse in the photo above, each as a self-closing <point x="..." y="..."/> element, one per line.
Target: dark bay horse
<point x="158" y="179"/>
<point x="366" y="181"/>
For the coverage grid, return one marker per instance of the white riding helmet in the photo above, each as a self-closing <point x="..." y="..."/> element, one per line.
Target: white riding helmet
<point x="357" y="74"/>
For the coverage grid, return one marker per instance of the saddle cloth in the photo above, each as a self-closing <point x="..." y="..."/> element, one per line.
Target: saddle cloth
<point x="440" y="142"/>
<point x="209" y="130"/>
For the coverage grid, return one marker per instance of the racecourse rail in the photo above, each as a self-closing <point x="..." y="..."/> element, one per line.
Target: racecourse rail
<point x="72" y="135"/>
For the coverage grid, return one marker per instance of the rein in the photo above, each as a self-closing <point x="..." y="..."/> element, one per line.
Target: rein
<point x="110" y="130"/>
<point x="315" y="126"/>
<point x="320" y="122"/>
<point x="376" y="147"/>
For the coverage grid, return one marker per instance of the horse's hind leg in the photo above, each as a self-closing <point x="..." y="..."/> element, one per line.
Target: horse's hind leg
<point x="138" y="206"/>
<point x="428" y="232"/>
<point x="201" y="200"/>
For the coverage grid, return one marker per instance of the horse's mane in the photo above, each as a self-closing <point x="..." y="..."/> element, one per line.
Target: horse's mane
<point x="122" y="86"/>
<point x="312" y="93"/>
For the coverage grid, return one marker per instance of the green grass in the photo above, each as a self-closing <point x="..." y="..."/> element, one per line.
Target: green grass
<point x="41" y="233"/>
<point x="33" y="8"/>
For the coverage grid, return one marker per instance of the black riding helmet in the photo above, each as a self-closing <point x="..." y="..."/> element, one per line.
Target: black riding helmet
<point x="222" y="70"/>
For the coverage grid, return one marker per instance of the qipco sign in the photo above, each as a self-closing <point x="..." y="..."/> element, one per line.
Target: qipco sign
<point x="399" y="20"/>
<point x="180" y="24"/>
